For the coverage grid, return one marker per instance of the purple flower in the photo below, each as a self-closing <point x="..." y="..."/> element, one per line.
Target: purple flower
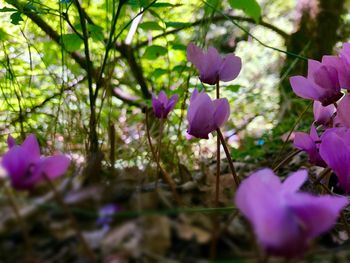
<point x="321" y="84"/>
<point x="106" y="213"/>
<point x="341" y="63"/>
<point x="26" y="167"/>
<point x="212" y="67"/>
<point x="285" y="220"/>
<point x="205" y="115"/>
<point x="310" y="144"/>
<point x="323" y="115"/>
<point x="162" y="105"/>
<point x="335" y="151"/>
<point x="343" y="112"/>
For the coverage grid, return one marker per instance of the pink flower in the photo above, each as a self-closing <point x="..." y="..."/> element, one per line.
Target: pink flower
<point x="284" y="219"/>
<point x="26" y="167"/>
<point x="310" y="144"/>
<point x="212" y="67"/>
<point x="335" y="151"/>
<point x="321" y="84"/>
<point x="323" y="115"/>
<point x="205" y="115"/>
<point x="162" y="105"/>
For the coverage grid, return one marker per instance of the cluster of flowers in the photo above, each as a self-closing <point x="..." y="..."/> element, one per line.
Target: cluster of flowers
<point x="284" y="219"/>
<point x="328" y="145"/>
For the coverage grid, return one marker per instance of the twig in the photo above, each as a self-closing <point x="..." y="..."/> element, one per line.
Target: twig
<point x="166" y="177"/>
<point x="228" y="156"/>
<point x="286" y="160"/>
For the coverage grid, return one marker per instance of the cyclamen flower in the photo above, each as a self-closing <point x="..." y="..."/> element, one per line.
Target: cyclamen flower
<point x="162" y="105"/>
<point x="205" y="115"/>
<point x="341" y="63"/>
<point x="308" y="143"/>
<point x="335" y="151"/>
<point x="284" y="219"/>
<point x="212" y="67"/>
<point x="343" y="112"/>
<point x="321" y="84"/>
<point x="26" y="167"/>
<point x="323" y="115"/>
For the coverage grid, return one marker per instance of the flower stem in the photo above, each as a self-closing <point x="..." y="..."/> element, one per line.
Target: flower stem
<point x="73" y="222"/>
<point x="217" y="189"/>
<point x="286" y="160"/>
<point x="228" y="156"/>
<point x="24" y="229"/>
<point x="161" y="128"/>
<point x="166" y="176"/>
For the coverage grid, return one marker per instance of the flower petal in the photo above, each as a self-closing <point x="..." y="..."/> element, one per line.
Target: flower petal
<point x="230" y="67"/>
<point x="196" y="56"/>
<point x="11" y="141"/>
<point x="221" y="111"/>
<point x="54" y="166"/>
<point x="317" y="214"/>
<point x="336" y="153"/>
<point x="294" y="181"/>
<point x="343" y="111"/>
<point x="304" y="88"/>
<point x="31" y="145"/>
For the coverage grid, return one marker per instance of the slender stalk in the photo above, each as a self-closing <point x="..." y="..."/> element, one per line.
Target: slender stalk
<point x="73" y="222"/>
<point x="161" y="128"/>
<point x="228" y="156"/>
<point x="217" y="189"/>
<point x="286" y="160"/>
<point x="166" y="177"/>
<point x="24" y="229"/>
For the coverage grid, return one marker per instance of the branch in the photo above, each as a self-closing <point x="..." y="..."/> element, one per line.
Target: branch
<point x="218" y="19"/>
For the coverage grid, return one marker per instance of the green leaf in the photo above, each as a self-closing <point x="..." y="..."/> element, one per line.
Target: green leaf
<point x="151" y="25"/>
<point x="95" y="32"/>
<point x="16" y="18"/>
<point x="155" y="51"/>
<point x="158" y="72"/>
<point x="233" y="88"/>
<point x="162" y="4"/>
<point x="7" y="9"/>
<point x="177" y="24"/>
<point x="250" y="7"/>
<point x="179" y="46"/>
<point x="72" y="42"/>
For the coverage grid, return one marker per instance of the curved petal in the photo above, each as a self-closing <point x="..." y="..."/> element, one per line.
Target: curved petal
<point x="221" y="111"/>
<point x="304" y="88"/>
<point x="343" y="111"/>
<point x="31" y="145"/>
<point x="317" y="214"/>
<point x="323" y="115"/>
<point x="259" y="199"/>
<point x="16" y="164"/>
<point x="230" y="67"/>
<point x="171" y="104"/>
<point x="11" y="141"/>
<point x="158" y="107"/>
<point x="196" y="56"/>
<point x="294" y="181"/>
<point x="336" y="153"/>
<point x="162" y="97"/>
<point x="200" y="116"/>
<point x="312" y="67"/>
<point x="211" y="67"/>
<point x="54" y="166"/>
